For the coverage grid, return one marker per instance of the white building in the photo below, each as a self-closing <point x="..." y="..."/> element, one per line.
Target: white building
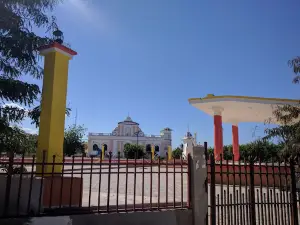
<point x="128" y="131"/>
<point x="188" y="143"/>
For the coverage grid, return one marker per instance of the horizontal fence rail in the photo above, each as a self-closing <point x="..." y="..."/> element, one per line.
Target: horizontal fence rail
<point x="78" y="185"/>
<point x="252" y="192"/>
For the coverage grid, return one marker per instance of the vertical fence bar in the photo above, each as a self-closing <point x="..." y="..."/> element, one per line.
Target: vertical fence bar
<point x="212" y="190"/>
<point x="181" y="180"/>
<point x="261" y="193"/>
<point x="158" y="195"/>
<point x="99" y="185"/>
<point x="268" y="196"/>
<point x="230" y="208"/>
<point x="287" y="183"/>
<point x="218" y="205"/>
<point x="265" y="208"/>
<point x="246" y="192"/>
<point x="274" y="204"/>
<point x="81" y="180"/>
<point x="91" y="180"/>
<point x="71" y="188"/>
<point x="222" y="196"/>
<point x="244" y="209"/>
<point x="42" y="182"/>
<point x="189" y="189"/>
<point x="259" y="202"/>
<point x="167" y="180"/>
<point x="143" y="181"/>
<point x="228" y="195"/>
<point x="118" y="180"/>
<point x="108" y="181"/>
<point x="8" y="182"/>
<point x="271" y="207"/>
<point x="281" y="207"/>
<point x="252" y="194"/>
<point x="207" y="173"/>
<point x="134" y="182"/>
<point x="294" y="211"/>
<point x="126" y="182"/>
<point x="30" y="186"/>
<point x="240" y="191"/>
<point x="62" y="181"/>
<point x="151" y="178"/>
<point x="20" y="183"/>
<point x="174" y="183"/>
<point x="52" y="177"/>
<point x="234" y="199"/>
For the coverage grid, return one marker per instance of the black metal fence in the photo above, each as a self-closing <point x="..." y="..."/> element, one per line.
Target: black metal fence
<point x="252" y="192"/>
<point x="88" y="185"/>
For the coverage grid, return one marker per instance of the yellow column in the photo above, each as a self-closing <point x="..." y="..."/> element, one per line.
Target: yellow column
<point x="152" y="151"/>
<point x="54" y="93"/>
<point x="102" y="152"/>
<point x="169" y="152"/>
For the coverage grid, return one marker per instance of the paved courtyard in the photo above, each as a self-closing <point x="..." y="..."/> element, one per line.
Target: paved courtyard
<point x="164" y="191"/>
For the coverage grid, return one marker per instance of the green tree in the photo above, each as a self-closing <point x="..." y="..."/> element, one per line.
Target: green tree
<point x="18" y="141"/>
<point x="177" y="153"/>
<point x="287" y="134"/>
<point x="132" y="151"/>
<point x="73" y="141"/>
<point x="19" y="57"/>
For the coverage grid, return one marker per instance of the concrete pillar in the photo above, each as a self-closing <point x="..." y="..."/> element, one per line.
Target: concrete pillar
<point x="53" y="107"/>
<point x="235" y="142"/>
<point x="218" y="133"/>
<point x="198" y="185"/>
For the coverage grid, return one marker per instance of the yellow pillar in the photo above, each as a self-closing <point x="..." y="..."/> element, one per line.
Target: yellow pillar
<point x="169" y="152"/>
<point x="102" y="152"/>
<point x="54" y="94"/>
<point x="152" y="151"/>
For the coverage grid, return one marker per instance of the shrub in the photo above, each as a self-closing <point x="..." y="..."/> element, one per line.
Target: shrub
<point x="132" y="151"/>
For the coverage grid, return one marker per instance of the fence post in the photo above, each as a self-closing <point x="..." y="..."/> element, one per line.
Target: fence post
<point x="293" y="194"/>
<point x="252" y="195"/>
<point x="212" y="189"/>
<point x="198" y="185"/>
<point x="8" y="182"/>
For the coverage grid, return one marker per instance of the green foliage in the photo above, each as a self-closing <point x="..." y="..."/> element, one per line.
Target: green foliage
<point x="177" y="153"/>
<point x="19" y="56"/>
<point x="295" y="65"/>
<point x="35" y="114"/>
<point x="18" y="141"/>
<point x="256" y="150"/>
<point x="132" y="151"/>
<point x="73" y="141"/>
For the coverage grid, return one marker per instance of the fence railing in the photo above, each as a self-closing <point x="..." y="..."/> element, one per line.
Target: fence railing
<point x="252" y="192"/>
<point x="77" y="185"/>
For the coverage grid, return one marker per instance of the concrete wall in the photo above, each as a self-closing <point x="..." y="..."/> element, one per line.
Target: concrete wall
<point x="24" y="194"/>
<point x="170" y="217"/>
<point x="278" y="176"/>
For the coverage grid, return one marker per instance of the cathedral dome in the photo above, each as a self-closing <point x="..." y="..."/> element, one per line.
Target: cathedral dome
<point x="188" y="134"/>
<point x="128" y="119"/>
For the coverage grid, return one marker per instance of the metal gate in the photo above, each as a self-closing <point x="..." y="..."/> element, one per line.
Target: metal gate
<point x="251" y="192"/>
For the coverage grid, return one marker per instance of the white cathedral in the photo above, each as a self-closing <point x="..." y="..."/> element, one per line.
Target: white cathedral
<point x="128" y="131"/>
<point x="188" y="143"/>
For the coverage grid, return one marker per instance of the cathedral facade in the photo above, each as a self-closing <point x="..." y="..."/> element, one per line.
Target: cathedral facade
<point x="128" y="131"/>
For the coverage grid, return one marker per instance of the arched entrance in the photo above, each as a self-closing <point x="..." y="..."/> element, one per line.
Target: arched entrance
<point x="105" y="149"/>
<point x="148" y="148"/>
<point x="96" y="150"/>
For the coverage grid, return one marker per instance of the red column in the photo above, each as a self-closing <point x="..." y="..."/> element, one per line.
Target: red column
<point x="218" y="139"/>
<point x="235" y="142"/>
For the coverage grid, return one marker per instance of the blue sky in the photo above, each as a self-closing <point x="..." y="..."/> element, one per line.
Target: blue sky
<point x="146" y="58"/>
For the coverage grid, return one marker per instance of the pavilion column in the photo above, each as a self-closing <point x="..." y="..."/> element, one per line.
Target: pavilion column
<point x="218" y="133"/>
<point x="235" y="142"/>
